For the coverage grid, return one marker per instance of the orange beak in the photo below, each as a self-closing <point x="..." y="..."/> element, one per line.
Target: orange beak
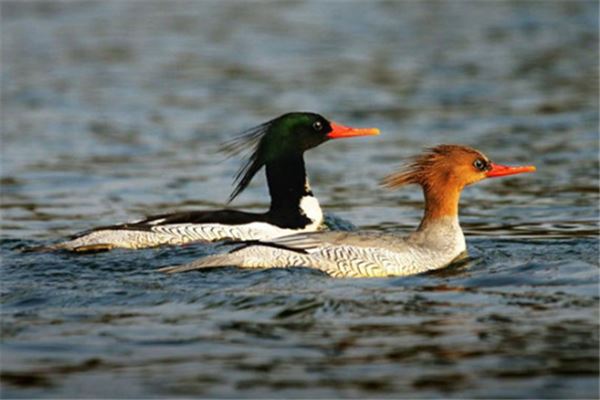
<point x="341" y="131"/>
<point x="504" y="170"/>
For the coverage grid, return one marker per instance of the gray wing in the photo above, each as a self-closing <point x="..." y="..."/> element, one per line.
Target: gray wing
<point x="314" y="241"/>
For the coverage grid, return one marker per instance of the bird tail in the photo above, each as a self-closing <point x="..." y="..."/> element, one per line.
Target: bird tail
<point x="40" y="249"/>
<point x="217" y="260"/>
<point x="69" y="246"/>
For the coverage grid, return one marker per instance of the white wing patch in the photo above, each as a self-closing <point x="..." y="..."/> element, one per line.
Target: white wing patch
<point x="157" y="221"/>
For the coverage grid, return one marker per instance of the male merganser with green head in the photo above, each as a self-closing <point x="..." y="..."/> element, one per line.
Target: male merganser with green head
<point x="279" y="146"/>
<point x="442" y="172"/>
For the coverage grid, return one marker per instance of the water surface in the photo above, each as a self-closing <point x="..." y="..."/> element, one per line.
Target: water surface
<point x="114" y="110"/>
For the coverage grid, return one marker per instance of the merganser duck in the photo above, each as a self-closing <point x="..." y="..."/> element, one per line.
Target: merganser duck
<point x="442" y="172"/>
<point x="279" y="145"/>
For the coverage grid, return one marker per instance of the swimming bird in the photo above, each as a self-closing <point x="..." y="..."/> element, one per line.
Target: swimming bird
<point x="279" y="146"/>
<point x="442" y="172"/>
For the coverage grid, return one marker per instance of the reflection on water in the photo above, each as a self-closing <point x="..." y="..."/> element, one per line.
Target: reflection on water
<point x="114" y="110"/>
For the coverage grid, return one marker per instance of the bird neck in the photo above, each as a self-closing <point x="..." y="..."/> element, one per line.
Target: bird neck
<point x="440" y="228"/>
<point x="441" y="202"/>
<point x="287" y="183"/>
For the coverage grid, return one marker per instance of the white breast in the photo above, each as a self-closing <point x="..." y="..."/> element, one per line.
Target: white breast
<point x="309" y="206"/>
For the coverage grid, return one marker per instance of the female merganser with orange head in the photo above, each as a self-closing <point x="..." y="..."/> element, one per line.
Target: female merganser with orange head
<point x="442" y="172"/>
<point x="279" y="145"/>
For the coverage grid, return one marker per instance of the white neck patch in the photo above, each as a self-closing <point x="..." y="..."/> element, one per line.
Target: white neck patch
<point x="309" y="206"/>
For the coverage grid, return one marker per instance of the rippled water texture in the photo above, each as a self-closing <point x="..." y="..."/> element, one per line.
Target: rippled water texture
<point x="112" y="110"/>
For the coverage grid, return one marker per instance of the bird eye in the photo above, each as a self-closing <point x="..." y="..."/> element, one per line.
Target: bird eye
<point x="480" y="164"/>
<point x="317" y="126"/>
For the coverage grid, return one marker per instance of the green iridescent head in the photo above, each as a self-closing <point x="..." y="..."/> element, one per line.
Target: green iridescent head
<point x="286" y="136"/>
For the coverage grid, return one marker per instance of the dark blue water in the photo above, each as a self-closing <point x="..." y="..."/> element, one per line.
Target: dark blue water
<point x="114" y="110"/>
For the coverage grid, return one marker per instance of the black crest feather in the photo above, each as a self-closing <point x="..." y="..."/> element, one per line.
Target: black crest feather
<point x="248" y="142"/>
